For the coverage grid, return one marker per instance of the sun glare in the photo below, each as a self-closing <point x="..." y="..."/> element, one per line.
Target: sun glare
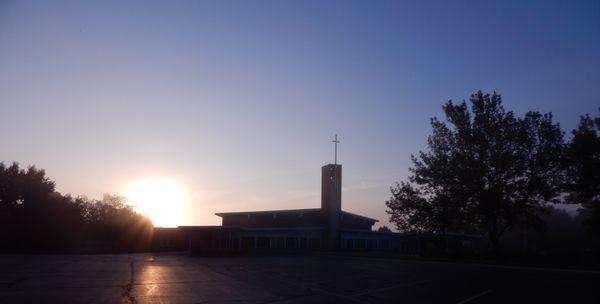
<point x="162" y="200"/>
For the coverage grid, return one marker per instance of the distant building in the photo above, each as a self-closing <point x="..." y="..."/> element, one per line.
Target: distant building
<point x="168" y="239"/>
<point x="325" y="228"/>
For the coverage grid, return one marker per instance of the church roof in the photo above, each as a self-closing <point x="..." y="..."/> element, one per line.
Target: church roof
<point x="359" y="216"/>
<point x="222" y="214"/>
<point x="306" y="210"/>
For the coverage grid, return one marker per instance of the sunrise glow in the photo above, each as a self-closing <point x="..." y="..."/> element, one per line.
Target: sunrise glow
<point x="163" y="200"/>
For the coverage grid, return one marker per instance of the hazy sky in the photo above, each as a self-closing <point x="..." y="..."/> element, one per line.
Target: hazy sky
<point x="239" y="100"/>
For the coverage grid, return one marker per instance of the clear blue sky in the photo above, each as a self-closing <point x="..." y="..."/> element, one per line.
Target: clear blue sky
<point x="239" y="100"/>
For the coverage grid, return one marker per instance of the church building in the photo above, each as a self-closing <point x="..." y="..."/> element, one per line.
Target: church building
<point x="325" y="228"/>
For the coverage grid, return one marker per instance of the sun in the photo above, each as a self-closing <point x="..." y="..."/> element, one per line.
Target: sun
<point x="163" y="200"/>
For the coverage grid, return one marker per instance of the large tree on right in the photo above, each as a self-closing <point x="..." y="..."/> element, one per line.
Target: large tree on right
<point x="583" y="171"/>
<point x="485" y="169"/>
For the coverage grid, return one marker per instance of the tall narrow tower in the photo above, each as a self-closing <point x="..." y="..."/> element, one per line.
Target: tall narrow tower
<point x="331" y="198"/>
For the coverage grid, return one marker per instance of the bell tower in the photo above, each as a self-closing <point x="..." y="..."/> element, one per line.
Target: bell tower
<point x="331" y="198"/>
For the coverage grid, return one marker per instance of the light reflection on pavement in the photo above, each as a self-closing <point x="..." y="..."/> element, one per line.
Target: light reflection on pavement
<point x="179" y="278"/>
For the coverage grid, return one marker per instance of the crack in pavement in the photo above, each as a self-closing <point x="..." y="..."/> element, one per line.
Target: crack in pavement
<point x="127" y="296"/>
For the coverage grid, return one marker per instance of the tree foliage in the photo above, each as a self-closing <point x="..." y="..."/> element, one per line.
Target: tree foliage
<point x="384" y="229"/>
<point x="34" y="217"/>
<point x="583" y="170"/>
<point x="485" y="169"/>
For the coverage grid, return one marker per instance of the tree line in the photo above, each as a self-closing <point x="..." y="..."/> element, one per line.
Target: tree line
<point x="36" y="218"/>
<point x="488" y="171"/>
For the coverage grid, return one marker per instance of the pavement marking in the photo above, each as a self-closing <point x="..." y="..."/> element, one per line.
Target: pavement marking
<point x="473" y="297"/>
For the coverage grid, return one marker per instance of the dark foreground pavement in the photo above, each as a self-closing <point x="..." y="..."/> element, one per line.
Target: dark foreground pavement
<point x="178" y="278"/>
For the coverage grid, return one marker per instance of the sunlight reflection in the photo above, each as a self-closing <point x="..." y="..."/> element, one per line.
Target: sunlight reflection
<point x="153" y="279"/>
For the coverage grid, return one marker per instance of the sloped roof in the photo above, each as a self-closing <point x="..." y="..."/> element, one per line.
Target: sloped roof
<point x="223" y="214"/>
<point x="359" y="216"/>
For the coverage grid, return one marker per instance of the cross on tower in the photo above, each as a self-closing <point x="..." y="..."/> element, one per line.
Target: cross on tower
<point x="335" y="142"/>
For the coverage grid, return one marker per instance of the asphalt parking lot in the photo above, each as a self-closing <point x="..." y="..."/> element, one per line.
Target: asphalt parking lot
<point x="179" y="278"/>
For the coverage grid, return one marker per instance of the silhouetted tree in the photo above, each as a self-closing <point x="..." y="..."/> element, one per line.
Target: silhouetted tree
<point x="32" y="214"/>
<point x="485" y="170"/>
<point x="23" y="188"/>
<point x="34" y="218"/>
<point x="583" y="171"/>
<point x="384" y="229"/>
<point x="112" y="220"/>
